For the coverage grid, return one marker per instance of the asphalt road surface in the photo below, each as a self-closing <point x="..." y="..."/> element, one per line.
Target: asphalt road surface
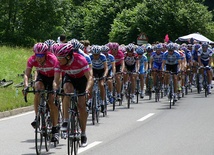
<point x="147" y="128"/>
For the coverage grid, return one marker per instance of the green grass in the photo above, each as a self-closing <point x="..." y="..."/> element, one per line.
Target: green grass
<point x="13" y="62"/>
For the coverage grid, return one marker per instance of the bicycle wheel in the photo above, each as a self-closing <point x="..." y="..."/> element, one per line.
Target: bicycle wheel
<point x="97" y="110"/>
<point x="198" y="84"/>
<point x="48" y="132"/>
<point x="70" y="139"/>
<point x="39" y="133"/>
<point x="150" y="87"/>
<point x="93" y="108"/>
<point x="128" y="94"/>
<point x="137" y="90"/>
<point x="114" y="97"/>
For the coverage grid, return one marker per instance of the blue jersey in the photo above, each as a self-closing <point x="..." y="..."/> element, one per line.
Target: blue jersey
<point x="157" y="58"/>
<point x="142" y="60"/>
<point x="98" y="63"/>
<point x="188" y="55"/>
<point x="195" y="55"/>
<point x="110" y="59"/>
<point x="87" y="57"/>
<point x="205" y="56"/>
<point x="171" y="59"/>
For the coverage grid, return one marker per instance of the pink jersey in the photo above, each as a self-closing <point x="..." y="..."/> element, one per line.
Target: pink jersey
<point x="119" y="57"/>
<point x="48" y="68"/>
<point x="76" y="68"/>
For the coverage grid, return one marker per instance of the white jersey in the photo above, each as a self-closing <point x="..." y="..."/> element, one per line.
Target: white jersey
<point x="205" y="56"/>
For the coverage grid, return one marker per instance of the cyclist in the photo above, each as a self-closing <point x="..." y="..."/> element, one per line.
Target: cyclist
<point x="143" y="62"/>
<point x="119" y="64"/>
<point x="111" y="70"/>
<point x="78" y="77"/>
<point x="131" y="65"/>
<point x="172" y="60"/>
<point x="195" y="63"/>
<point x="205" y="59"/>
<point x="100" y="69"/>
<point x="156" y="62"/>
<point x="44" y="62"/>
<point x="149" y="50"/>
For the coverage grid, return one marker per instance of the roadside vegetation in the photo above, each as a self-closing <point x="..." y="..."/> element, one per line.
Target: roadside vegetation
<point x="13" y="62"/>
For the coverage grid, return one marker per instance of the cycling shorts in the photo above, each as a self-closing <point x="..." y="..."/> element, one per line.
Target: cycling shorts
<point x="78" y="83"/>
<point x="118" y="68"/>
<point x="47" y="81"/>
<point x="98" y="73"/>
<point x="172" y="68"/>
<point x="157" y="66"/>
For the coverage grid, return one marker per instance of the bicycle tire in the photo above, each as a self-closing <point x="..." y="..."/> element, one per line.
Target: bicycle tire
<point x="48" y="133"/>
<point x="128" y="94"/>
<point x="39" y="133"/>
<point x="93" y="108"/>
<point x="114" y="97"/>
<point x="137" y="91"/>
<point x="198" y="84"/>
<point x="70" y="139"/>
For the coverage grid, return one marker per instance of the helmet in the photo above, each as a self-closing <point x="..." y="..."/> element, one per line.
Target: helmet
<point x="113" y="45"/>
<point x="148" y="46"/>
<point x="197" y="46"/>
<point x="54" y="48"/>
<point x="75" y="43"/>
<point x="95" y="49"/>
<point x="104" y="49"/>
<point x="81" y="46"/>
<point x="49" y="42"/>
<point x="140" y="50"/>
<point x="205" y="44"/>
<point x="64" y="50"/>
<point x="170" y="46"/>
<point x="159" y="46"/>
<point x="130" y="47"/>
<point x="40" y="48"/>
<point x="176" y="46"/>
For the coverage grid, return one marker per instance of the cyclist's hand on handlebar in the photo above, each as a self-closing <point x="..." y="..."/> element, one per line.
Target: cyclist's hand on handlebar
<point x="24" y="91"/>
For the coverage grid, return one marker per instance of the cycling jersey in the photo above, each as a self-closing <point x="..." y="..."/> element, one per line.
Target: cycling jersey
<point x="110" y="59"/>
<point x="188" y="55"/>
<point x="130" y="61"/>
<point x="205" y="56"/>
<point x="142" y="60"/>
<point x="119" y="57"/>
<point x="75" y="68"/>
<point x="98" y="63"/>
<point x="171" y="59"/>
<point x="87" y="57"/>
<point x="195" y="55"/>
<point x="47" y="69"/>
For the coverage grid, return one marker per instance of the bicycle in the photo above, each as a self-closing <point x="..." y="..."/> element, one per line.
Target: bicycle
<point x="43" y="122"/>
<point x="95" y="107"/>
<point x="73" y="128"/>
<point x="158" y="85"/>
<point x="171" y="89"/>
<point x="149" y="84"/>
<point x="205" y="79"/>
<point x="109" y="97"/>
<point x="137" y="92"/>
<point x="129" y="88"/>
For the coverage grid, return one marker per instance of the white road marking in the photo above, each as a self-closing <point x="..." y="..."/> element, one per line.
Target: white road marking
<point x="15" y="116"/>
<point x="145" y="117"/>
<point x="89" y="146"/>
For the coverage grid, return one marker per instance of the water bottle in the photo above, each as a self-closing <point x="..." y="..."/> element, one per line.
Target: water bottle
<point x="17" y="92"/>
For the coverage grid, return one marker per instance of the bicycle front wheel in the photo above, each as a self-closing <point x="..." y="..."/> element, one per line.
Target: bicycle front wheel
<point x="48" y="132"/>
<point x="129" y="94"/>
<point x="39" y="133"/>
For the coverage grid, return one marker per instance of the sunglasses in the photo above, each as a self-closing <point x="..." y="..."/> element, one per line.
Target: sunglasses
<point x="114" y="49"/>
<point x="40" y="55"/>
<point x="60" y="58"/>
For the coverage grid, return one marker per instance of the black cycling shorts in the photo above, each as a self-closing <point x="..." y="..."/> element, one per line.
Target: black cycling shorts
<point x="47" y="81"/>
<point x="79" y="84"/>
<point x="172" y="68"/>
<point x="98" y="73"/>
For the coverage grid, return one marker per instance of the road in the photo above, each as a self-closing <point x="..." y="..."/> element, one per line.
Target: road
<point x="147" y="128"/>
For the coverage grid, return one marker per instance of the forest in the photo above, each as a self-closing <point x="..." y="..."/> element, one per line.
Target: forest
<point x="25" y="22"/>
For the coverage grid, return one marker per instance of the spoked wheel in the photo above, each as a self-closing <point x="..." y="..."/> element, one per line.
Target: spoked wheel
<point x="128" y="95"/>
<point x="73" y="135"/>
<point x="114" y="99"/>
<point x="93" y="109"/>
<point x="157" y="95"/>
<point x="48" y="133"/>
<point x="198" y="84"/>
<point x="39" y="134"/>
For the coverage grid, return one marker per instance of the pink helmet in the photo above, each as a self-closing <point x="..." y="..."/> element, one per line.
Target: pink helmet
<point x="113" y="45"/>
<point x="64" y="50"/>
<point x="54" y="48"/>
<point x="40" y="48"/>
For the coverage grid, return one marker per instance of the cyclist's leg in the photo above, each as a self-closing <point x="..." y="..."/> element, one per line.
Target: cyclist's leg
<point x="141" y="76"/>
<point x="118" y="82"/>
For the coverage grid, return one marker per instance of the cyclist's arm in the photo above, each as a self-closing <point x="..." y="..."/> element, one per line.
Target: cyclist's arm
<point x="163" y="64"/>
<point x="151" y="62"/>
<point x="56" y="81"/>
<point x="137" y="65"/>
<point x="122" y="66"/>
<point x="91" y="70"/>
<point x="179" y="65"/>
<point x="199" y="60"/>
<point x="210" y="60"/>
<point x="26" y="76"/>
<point x="105" y="69"/>
<point x="113" y="68"/>
<point x="89" y="81"/>
<point x="146" y="65"/>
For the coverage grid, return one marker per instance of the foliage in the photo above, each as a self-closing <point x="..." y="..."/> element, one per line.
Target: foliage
<point x="25" y="22"/>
